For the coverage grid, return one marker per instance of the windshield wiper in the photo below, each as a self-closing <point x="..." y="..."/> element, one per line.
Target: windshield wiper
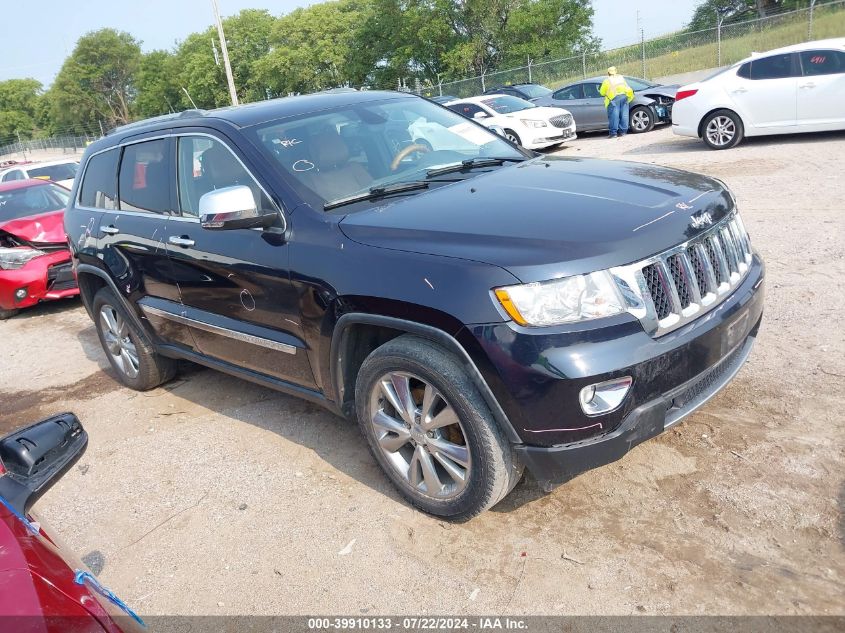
<point x="478" y="161"/>
<point x="376" y="192"/>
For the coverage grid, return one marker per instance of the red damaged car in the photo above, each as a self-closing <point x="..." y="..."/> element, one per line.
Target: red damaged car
<point x="34" y="257"/>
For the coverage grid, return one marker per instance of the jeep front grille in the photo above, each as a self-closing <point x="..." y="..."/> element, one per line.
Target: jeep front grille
<point x="677" y="286"/>
<point x="561" y="120"/>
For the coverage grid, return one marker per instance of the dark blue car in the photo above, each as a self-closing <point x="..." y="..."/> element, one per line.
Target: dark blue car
<point x="478" y="309"/>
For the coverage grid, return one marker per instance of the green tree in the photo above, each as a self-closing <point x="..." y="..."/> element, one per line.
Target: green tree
<point x="20" y="108"/>
<point x="157" y="88"/>
<point x="734" y="11"/>
<point x="313" y="49"/>
<point x="96" y="84"/>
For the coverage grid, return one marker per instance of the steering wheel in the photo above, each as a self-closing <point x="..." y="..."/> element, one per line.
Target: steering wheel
<point x="410" y="149"/>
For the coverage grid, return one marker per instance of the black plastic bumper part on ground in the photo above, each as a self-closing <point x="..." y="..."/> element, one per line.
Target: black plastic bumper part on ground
<point x="554" y="465"/>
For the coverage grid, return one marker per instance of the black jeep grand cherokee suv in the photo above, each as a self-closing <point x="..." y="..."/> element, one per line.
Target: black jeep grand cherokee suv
<point x="477" y="308"/>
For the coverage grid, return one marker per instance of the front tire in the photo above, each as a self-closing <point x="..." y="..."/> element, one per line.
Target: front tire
<point x="7" y="314"/>
<point x="513" y="137"/>
<point x="430" y="430"/>
<point x="641" y="120"/>
<point x="134" y="360"/>
<point x="722" y="129"/>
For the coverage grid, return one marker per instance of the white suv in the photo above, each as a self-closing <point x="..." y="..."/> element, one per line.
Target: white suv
<point x="798" y="88"/>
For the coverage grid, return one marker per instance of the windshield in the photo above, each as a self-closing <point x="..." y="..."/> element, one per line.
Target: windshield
<point x="333" y="154"/>
<point x="21" y="203"/>
<point x="64" y="171"/>
<point x="535" y="91"/>
<point x="639" y="84"/>
<point x="505" y="104"/>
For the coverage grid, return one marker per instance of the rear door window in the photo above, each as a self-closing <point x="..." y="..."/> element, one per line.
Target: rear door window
<point x="99" y="184"/>
<point x="774" y="67"/>
<point x="145" y="177"/>
<point x="822" y="62"/>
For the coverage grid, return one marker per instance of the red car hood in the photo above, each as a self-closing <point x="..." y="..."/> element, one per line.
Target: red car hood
<point x="45" y="228"/>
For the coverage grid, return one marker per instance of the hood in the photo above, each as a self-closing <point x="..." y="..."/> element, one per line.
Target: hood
<point x="45" y="228"/>
<point x="548" y="217"/>
<point x="540" y="112"/>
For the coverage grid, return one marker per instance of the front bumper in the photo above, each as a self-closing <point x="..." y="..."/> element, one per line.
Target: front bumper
<point x="47" y="277"/>
<point x="536" y="375"/>
<point x="551" y="136"/>
<point x="557" y="464"/>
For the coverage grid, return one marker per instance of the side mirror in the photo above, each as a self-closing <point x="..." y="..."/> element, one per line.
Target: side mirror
<point x="34" y="458"/>
<point x="498" y="129"/>
<point x="479" y="115"/>
<point x="232" y="208"/>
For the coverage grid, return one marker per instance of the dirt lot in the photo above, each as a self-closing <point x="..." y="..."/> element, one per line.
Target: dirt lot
<point x="211" y="495"/>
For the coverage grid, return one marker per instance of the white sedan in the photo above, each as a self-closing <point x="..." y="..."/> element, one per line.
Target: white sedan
<point x="59" y="171"/>
<point x="524" y="123"/>
<point x="798" y="88"/>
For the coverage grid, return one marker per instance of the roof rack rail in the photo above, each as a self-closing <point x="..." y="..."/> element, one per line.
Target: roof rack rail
<point x="185" y="114"/>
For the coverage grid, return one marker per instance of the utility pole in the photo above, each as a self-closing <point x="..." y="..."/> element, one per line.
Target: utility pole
<point x="225" y="50"/>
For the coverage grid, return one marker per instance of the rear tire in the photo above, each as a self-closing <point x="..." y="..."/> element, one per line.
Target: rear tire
<point x="440" y="447"/>
<point x="136" y="363"/>
<point x="7" y="314"/>
<point x="641" y="120"/>
<point x="722" y="129"/>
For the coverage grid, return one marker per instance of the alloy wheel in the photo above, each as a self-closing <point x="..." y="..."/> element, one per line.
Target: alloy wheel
<point x="420" y="435"/>
<point x="512" y="138"/>
<point x="640" y="120"/>
<point x="721" y="130"/>
<point x="118" y="343"/>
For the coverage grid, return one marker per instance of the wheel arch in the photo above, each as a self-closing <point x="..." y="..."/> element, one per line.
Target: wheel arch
<point x="356" y="334"/>
<point x="91" y="280"/>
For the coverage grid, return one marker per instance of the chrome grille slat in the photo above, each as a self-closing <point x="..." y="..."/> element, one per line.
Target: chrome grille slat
<point x="672" y="288"/>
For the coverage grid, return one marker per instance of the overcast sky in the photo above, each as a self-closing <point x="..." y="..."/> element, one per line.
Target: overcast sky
<point x="37" y="36"/>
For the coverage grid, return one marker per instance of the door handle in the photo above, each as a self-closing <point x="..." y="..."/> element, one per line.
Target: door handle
<point x="809" y="85"/>
<point x="740" y="91"/>
<point x="180" y="241"/>
<point x="110" y="230"/>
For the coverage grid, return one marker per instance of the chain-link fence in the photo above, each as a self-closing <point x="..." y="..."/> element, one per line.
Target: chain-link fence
<point x="673" y="54"/>
<point x="66" y="144"/>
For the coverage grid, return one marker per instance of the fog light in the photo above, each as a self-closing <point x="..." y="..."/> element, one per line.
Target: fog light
<point x="604" y="397"/>
<point x="20" y="294"/>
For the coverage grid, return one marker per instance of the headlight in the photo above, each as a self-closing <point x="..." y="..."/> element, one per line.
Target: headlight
<point x="566" y="300"/>
<point x="14" y="258"/>
<point x="533" y="123"/>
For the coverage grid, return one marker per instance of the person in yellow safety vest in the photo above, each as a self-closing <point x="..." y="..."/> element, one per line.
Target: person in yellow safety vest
<point x="617" y="98"/>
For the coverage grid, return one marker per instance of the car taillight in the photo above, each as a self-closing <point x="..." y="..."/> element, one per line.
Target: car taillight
<point x="683" y="94"/>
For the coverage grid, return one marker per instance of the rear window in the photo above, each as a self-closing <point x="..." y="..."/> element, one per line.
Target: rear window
<point x="534" y="91"/>
<point x="65" y="171"/>
<point x="145" y="177"/>
<point x="21" y="203"/>
<point x="99" y="184"/>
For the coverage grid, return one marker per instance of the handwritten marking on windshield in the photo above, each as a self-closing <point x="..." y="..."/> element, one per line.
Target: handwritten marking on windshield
<point x="303" y="165"/>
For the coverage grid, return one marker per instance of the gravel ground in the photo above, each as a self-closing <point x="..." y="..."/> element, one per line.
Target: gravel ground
<point x="215" y="496"/>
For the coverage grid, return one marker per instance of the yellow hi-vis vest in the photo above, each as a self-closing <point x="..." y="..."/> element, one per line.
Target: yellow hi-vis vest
<point x="613" y="86"/>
